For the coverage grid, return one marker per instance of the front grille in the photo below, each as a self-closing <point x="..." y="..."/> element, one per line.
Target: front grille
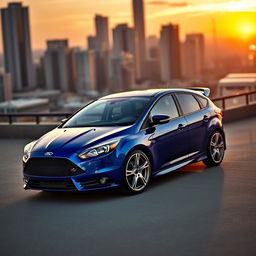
<point x="53" y="167"/>
<point x="52" y="184"/>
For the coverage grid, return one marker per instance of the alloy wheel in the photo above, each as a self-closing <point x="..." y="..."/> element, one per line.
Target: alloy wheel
<point x="217" y="147"/>
<point x="137" y="171"/>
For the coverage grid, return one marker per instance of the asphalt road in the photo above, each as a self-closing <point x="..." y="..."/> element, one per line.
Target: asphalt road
<point x="193" y="211"/>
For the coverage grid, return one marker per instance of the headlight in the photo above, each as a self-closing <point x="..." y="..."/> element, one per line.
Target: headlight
<point x="99" y="150"/>
<point x="27" y="150"/>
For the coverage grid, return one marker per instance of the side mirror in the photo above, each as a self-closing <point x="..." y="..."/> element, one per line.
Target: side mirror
<point x="160" y="119"/>
<point x="64" y="120"/>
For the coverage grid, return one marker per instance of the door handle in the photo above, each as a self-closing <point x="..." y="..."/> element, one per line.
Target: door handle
<point x="181" y="126"/>
<point x="206" y="118"/>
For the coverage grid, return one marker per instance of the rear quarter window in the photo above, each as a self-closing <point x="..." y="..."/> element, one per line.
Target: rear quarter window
<point x="203" y="101"/>
<point x="188" y="103"/>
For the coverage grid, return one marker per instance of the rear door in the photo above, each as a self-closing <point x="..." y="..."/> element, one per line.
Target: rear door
<point x="196" y="114"/>
<point x="169" y="139"/>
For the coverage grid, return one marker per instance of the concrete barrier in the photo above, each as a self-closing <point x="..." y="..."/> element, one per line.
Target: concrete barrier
<point x="236" y="114"/>
<point x="24" y="131"/>
<point x="33" y="131"/>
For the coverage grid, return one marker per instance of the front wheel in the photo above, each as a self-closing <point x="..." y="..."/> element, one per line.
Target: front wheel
<point x="137" y="172"/>
<point x="215" y="149"/>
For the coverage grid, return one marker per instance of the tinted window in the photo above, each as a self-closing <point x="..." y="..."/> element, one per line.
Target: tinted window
<point x="188" y="103"/>
<point x="109" y="112"/>
<point x="203" y="101"/>
<point x="165" y="106"/>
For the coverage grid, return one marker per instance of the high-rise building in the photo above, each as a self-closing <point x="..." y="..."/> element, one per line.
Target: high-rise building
<point x="59" y="66"/>
<point x="102" y="38"/>
<point x="91" y="74"/>
<point x="122" y="72"/>
<point x="170" y="53"/>
<point x="123" y="40"/>
<point x="152" y="48"/>
<point x="102" y="70"/>
<point x="102" y="53"/>
<point x="17" y="46"/>
<point x="139" y="25"/>
<point x="5" y="87"/>
<point x="85" y="70"/>
<point x="193" y="56"/>
<point x="91" y="42"/>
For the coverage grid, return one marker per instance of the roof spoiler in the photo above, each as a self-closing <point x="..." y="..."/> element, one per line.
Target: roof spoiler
<point x="205" y="91"/>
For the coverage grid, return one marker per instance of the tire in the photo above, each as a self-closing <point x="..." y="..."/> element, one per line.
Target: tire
<point x="137" y="173"/>
<point x="215" y="149"/>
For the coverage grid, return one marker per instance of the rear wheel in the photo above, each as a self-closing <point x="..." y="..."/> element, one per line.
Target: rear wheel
<point x="215" y="149"/>
<point x="137" y="172"/>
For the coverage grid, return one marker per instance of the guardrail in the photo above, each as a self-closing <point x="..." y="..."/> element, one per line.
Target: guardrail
<point x="236" y="95"/>
<point x="37" y="116"/>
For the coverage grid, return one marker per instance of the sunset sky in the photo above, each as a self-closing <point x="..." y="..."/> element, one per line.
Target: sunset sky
<point x="73" y="19"/>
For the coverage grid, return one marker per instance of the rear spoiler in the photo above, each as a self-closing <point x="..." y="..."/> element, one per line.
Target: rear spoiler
<point x="205" y="91"/>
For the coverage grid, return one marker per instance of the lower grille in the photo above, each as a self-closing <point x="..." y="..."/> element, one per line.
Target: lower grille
<point x="51" y="167"/>
<point x="50" y="184"/>
<point x="95" y="183"/>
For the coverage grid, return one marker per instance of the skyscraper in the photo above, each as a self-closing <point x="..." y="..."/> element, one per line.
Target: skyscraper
<point x="102" y="70"/>
<point x="170" y="53"/>
<point x="17" y="46"/>
<point x="123" y="40"/>
<point x="58" y="66"/>
<point x="139" y="25"/>
<point x="5" y="87"/>
<point x="102" y="53"/>
<point x="122" y="72"/>
<point x="193" y="56"/>
<point x="91" y="42"/>
<point x="85" y="70"/>
<point x="102" y="38"/>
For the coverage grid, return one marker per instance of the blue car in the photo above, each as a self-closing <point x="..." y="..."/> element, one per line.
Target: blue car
<point x="125" y="139"/>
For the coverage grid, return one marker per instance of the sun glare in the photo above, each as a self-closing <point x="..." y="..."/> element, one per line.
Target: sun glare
<point x="246" y="30"/>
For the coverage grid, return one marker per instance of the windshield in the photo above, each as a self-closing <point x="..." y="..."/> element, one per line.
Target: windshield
<point x="109" y="112"/>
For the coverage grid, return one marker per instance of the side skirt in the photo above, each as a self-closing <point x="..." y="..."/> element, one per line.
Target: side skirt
<point x="199" y="158"/>
<point x="170" y="169"/>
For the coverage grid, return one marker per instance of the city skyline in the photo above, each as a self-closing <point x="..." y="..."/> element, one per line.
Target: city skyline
<point x="75" y="22"/>
<point x="126" y="59"/>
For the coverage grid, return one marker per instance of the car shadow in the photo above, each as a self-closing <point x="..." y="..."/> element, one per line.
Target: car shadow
<point x="178" y="208"/>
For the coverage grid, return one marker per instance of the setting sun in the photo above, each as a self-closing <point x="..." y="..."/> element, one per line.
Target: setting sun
<point x="246" y="29"/>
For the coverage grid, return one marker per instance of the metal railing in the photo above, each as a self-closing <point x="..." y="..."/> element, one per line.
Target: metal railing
<point x="224" y="99"/>
<point x="38" y="116"/>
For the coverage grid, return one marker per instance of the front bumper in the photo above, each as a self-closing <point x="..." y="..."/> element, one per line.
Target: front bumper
<point x="71" y="184"/>
<point x="99" y="173"/>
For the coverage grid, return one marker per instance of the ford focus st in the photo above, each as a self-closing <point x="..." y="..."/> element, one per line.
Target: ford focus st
<point x="125" y="139"/>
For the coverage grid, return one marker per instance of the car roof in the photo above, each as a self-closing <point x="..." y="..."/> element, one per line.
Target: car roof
<point x="147" y="93"/>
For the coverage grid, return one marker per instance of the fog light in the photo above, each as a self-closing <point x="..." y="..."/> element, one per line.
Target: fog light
<point x="103" y="180"/>
<point x="25" y="180"/>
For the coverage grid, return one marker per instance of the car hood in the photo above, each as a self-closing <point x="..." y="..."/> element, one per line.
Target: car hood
<point x="75" y="139"/>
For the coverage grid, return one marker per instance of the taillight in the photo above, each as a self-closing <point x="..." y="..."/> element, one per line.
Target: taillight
<point x="219" y="112"/>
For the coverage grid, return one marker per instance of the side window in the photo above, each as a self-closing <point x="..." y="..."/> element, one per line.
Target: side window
<point x="188" y="103"/>
<point x="165" y="106"/>
<point x="203" y="101"/>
